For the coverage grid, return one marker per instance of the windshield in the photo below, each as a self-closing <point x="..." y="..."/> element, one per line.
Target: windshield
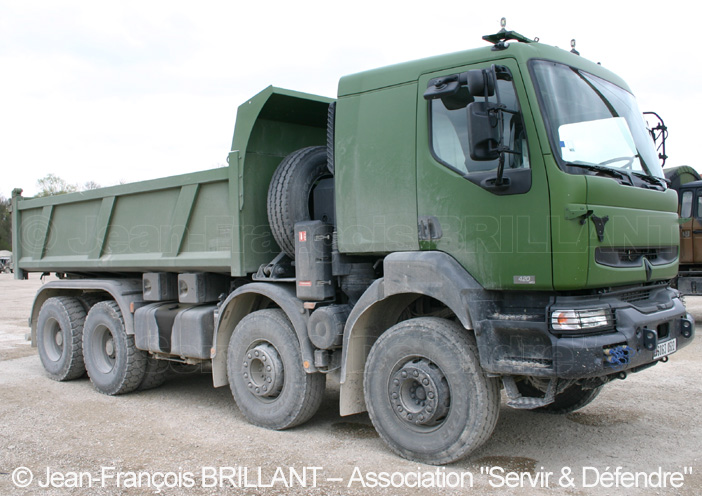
<point x="594" y="123"/>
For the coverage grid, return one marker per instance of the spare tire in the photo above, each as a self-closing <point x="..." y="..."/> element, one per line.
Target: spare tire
<point x="290" y="193"/>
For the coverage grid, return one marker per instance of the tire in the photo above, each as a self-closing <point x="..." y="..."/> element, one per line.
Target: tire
<point x="290" y="192"/>
<point x="283" y="396"/>
<point x="569" y="400"/>
<point x="60" y="338"/>
<point x="90" y="299"/>
<point x="426" y="393"/>
<point x="114" y="364"/>
<point x="155" y="374"/>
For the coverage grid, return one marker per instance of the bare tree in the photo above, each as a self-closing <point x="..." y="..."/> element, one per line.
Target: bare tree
<point x="91" y="185"/>
<point x="51" y="184"/>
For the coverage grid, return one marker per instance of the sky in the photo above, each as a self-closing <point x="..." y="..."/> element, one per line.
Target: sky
<point x="113" y="92"/>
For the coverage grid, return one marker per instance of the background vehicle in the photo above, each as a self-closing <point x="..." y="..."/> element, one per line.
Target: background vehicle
<point x="448" y="226"/>
<point x="6" y="261"/>
<point x="686" y="181"/>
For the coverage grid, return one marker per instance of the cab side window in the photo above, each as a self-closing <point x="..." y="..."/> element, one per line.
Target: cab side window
<point x="686" y="205"/>
<point x="449" y="132"/>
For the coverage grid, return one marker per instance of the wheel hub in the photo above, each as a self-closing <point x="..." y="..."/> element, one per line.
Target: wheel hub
<point x="58" y="338"/>
<point x="110" y="347"/>
<point x="263" y="370"/>
<point x="419" y="393"/>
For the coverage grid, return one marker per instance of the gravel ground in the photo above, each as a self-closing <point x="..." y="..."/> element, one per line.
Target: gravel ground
<point x="179" y="438"/>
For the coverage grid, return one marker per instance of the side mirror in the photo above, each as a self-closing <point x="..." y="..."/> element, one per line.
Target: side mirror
<point x="484" y="131"/>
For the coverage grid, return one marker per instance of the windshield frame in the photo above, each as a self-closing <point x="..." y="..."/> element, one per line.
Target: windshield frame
<point x="650" y="165"/>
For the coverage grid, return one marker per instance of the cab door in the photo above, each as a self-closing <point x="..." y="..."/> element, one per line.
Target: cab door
<point x="500" y="233"/>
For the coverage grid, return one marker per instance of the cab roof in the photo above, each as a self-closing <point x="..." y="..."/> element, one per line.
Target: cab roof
<point x="409" y="72"/>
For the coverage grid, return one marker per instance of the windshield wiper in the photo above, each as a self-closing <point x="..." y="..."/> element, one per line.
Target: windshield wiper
<point x="658" y="181"/>
<point x="617" y="173"/>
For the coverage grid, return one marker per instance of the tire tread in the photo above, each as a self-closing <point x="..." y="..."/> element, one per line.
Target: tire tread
<point x="294" y="176"/>
<point x="135" y="359"/>
<point x="76" y="315"/>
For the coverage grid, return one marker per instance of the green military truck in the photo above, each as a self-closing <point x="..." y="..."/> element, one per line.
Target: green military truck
<point x="492" y="218"/>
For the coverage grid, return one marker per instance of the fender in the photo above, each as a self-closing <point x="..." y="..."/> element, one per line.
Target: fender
<point x="123" y="291"/>
<point x="407" y="276"/>
<point x="242" y="302"/>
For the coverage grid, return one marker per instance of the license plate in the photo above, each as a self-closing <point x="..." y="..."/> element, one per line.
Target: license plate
<point x="665" y="349"/>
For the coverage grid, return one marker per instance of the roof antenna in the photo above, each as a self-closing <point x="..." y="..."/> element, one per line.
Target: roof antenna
<point x="572" y="47"/>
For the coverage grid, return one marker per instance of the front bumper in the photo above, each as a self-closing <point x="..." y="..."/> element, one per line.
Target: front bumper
<point x="513" y="347"/>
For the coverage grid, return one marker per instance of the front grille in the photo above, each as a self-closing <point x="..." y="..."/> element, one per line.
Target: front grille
<point x="634" y="296"/>
<point x="634" y="257"/>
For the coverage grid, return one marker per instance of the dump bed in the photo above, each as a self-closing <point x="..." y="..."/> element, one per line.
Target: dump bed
<point x="212" y="221"/>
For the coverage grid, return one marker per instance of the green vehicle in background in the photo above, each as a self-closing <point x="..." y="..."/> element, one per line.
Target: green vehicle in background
<point x="446" y="227"/>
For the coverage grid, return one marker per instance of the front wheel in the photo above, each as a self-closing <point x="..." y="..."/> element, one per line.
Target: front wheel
<point x="264" y="366"/>
<point x="426" y="393"/>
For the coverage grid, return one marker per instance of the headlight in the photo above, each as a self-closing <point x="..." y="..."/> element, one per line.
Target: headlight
<point x="581" y="320"/>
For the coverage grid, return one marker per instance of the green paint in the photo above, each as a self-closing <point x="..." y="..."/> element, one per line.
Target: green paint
<point x="386" y="177"/>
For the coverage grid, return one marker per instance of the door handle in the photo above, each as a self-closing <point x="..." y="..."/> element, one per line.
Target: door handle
<point x="429" y="228"/>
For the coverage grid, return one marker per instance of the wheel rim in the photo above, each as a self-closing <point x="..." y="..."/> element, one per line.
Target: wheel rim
<point x="104" y="350"/>
<point x="53" y="340"/>
<point x="262" y="369"/>
<point x="419" y="393"/>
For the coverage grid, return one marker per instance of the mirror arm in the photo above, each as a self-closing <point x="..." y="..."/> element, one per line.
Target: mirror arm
<point x="502" y="149"/>
<point x="500" y="167"/>
<point x="662" y="135"/>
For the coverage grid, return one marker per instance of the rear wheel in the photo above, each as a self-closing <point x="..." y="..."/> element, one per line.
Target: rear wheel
<point x="426" y="394"/>
<point x="155" y="373"/>
<point x="113" y="362"/>
<point x="264" y="365"/>
<point x="90" y="299"/>
<point x="60" y="337"/>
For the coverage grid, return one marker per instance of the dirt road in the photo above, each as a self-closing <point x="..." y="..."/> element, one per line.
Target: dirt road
<point x="187" y="437"/>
